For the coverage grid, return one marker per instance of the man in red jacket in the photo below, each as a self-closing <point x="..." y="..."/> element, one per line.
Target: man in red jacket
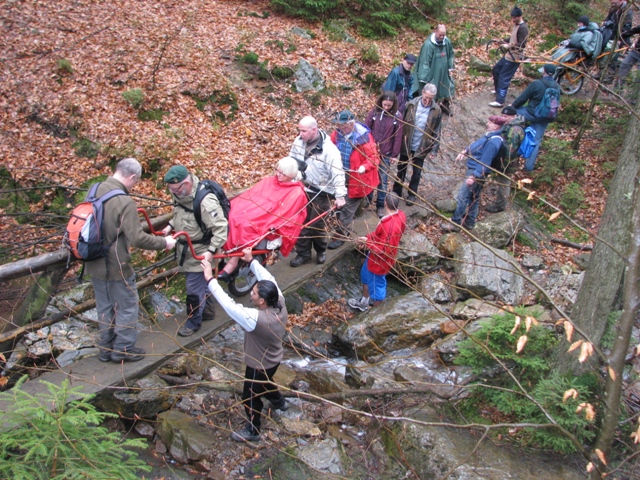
<point x="383" y="248"/>
<point x="360" y="161"/>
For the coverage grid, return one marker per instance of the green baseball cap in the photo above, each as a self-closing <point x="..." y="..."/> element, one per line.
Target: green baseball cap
<point x="176" y="174"/>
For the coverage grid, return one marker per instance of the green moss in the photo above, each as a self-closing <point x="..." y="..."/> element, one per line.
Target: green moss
<point x="223" y="104"/>
<point x="86" y="148"/>
<point x="64" y="67"/>
<point x="135" y="97"/>
<point x="369" y="54"/>
<point x="282" y="73"/>
<point x="609" y="336"/>
<point x="249" y="58"/>
<point x="152" y="115"/>
<point x="572" y="198"/>
<point x="283" y="466"/>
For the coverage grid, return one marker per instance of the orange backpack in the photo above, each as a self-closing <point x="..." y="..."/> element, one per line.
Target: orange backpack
<point x="84" y="235"/>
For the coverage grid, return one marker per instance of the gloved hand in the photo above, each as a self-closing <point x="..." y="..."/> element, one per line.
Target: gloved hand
<point x="361" y="169"/>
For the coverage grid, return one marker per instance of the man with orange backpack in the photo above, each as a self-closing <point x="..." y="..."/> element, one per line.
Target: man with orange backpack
<point x="112" y="275"/>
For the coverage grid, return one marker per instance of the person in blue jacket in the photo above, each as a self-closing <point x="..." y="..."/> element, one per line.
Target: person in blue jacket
<point x="400" y="81"/>
<point x="479" y="156"/>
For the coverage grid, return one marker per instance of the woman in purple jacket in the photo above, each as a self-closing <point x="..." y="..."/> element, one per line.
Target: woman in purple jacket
<point x="385" y="123"/>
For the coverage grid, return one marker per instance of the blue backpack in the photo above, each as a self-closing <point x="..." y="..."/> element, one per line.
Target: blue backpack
<point x="548" y="108"/>
<point x="528" y="144"/>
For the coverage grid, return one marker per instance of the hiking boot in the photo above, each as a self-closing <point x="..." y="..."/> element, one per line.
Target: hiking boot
<point x="449" y="227"/>
<point x="299" y="260"/>
<point x="283" y="407"/>
<point x="224" y="277"/>
<point x="187" y="331"/>
<point x="380" y="212"/>
<point x="496" y="104"/>
<point x="494" y="208"/>
<point x="362" y="304"/>
<point x="321" y="258"/>
<point x="335" y="244"/>
<point x="411" y="199"/>
<point x="105" y="355"/>
<point x="133" y="354"/>
<point x="245" y="435"/>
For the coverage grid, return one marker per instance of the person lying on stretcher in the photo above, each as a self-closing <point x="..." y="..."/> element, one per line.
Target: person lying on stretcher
<point x="268" y="215"/>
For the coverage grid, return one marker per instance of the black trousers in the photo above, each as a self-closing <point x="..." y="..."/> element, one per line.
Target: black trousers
<point x="403" y="163"/>
<point x="314" y="235"/>
<point x="258" y="384"/>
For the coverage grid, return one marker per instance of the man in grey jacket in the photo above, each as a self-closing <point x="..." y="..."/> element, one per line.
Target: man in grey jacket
<point x="320" y="163"/>
<point x="113" y="278"/>
<point x="206" y="240"/>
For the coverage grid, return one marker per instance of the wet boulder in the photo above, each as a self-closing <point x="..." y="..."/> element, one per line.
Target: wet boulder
<point x="436" y="288"/>
<point x="402" y="322"/>
<point x="322" y="456"/>
<point x="146" y="399"/>
<point x="481" y="271"/>
<point x="185" y="439"/>
<point x="499" y="229"/>
<point x="417" y="253"/>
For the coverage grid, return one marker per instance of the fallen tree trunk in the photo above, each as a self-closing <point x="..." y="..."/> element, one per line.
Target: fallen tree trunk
<point x="29" y="266"/>
<point x="81" y="307"/>
<point x="567" y="243"/>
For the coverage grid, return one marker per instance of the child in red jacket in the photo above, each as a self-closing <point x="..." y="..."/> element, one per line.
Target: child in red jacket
<point x="383" y="248"/>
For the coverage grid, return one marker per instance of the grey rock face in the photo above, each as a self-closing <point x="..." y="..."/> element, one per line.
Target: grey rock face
<point x="402" y="322"/>
<point x="436" y="288"/>
<point x="308" y="77"/>
<point x="186" y="440"/>
<point x="417" y="253"/>
<point x="482" y="272"/>
<point x="499" y="229"/>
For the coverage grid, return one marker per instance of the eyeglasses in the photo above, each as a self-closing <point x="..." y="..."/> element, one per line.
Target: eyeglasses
<point x="175" y="187"/>
<point x="279" y="173"/>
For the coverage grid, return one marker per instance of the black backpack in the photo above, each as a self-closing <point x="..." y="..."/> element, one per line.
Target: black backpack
<point x="209" y="186"/>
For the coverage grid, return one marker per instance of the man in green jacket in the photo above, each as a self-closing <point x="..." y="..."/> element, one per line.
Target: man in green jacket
<point x="206" y="239"/>
<point x="435" y="64"/>
<point x="113" y="278"/>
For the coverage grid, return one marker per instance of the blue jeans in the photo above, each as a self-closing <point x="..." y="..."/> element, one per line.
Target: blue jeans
<point x="383" y="171"/>
<point x="468" y="203"/>
<point x="503" y="72"/>
<point x="539" y="127"/>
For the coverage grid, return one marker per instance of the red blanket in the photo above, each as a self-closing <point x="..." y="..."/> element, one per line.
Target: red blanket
<point x="268" y="204"/>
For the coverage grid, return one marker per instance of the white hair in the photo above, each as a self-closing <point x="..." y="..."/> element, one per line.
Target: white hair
<point x="430" y="88"/>
<point x="289" y="166"/>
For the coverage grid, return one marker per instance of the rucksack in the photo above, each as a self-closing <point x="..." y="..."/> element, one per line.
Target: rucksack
<point x="528" y="144"/>
<point x="208" y="186"/>
<point x="84" y="234"/>
<point x="548" y="108"/>
<point x="595" y="43"/>
<point x="512" y="135"/>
